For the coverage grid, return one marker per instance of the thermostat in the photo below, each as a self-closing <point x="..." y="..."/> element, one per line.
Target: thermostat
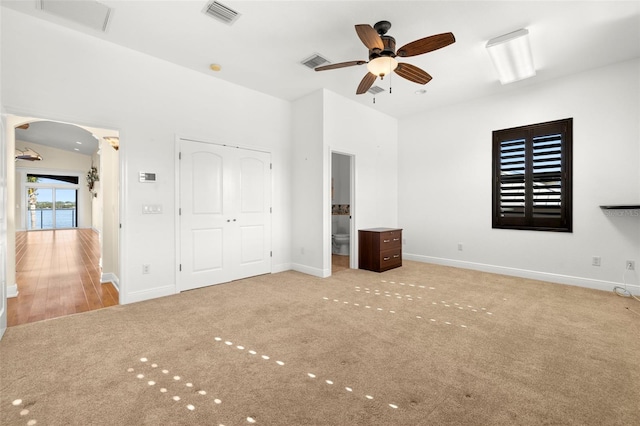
<point x="147" y="177"/>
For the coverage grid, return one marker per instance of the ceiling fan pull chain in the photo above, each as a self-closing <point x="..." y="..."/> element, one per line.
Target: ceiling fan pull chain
<point x="374" y="99"/>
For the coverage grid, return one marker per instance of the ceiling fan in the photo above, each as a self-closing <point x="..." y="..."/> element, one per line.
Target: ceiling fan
<point x="382" y="55"/>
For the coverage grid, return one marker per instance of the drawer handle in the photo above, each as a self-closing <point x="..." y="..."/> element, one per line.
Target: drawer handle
<point x="386" y="258"/>
<point x="396" y="239"/>
<point x="395" y="256"/>
<point x="385" y="241"/>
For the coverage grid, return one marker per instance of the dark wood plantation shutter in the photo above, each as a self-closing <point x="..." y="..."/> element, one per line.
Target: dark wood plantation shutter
<point x="512" y="177"/>
<point x="532" y="177"/>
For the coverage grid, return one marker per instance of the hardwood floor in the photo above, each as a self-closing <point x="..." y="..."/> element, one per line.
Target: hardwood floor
<point x="58" y="274"/>
<point x="339" y="263"/>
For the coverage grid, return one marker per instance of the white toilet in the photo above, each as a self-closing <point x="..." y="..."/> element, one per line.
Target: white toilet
<point x="340" y="244"/>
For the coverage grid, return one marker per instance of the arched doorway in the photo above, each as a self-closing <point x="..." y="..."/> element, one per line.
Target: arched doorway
<point x="60" y="264"/>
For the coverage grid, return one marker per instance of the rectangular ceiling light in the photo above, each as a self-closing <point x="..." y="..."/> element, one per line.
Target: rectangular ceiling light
<point x="511" y="55"/>
<point x="87" y="12"/>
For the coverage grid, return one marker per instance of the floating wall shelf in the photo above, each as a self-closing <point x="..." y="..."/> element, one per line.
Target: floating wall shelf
<point x="621" y="207"/>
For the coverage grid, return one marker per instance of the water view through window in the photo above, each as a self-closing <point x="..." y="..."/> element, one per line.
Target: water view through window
<point x="50" y="206"/>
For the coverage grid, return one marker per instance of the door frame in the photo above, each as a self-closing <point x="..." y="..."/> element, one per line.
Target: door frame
<point x="353" y="246"/>
<point x="12" y="119"/>
<point x="3" y="224"/>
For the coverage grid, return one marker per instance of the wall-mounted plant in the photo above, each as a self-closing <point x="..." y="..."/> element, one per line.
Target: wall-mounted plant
<point x="92" y="178"/>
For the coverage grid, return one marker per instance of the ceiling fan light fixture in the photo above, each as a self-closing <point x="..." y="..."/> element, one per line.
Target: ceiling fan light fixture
<point x="511" y="56"/>
<point x="381" y="66"/>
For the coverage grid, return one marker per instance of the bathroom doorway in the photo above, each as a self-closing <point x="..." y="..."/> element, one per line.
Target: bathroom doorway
<point x="342" y="211"/>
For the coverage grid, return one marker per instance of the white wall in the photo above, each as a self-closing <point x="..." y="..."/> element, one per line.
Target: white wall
<point x="54" y="161"/>
<point x="326" y="122"/>
<point x="372" y="137"/>
<point x="306" y="178"/>
<point x="92" y="82"/>
<point x="98" y="196"/>
<point x="445" y="180"/>
<point x="110" y="212"/>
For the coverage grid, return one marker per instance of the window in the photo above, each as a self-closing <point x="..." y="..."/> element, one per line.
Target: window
<point x="52" y="201"/>
<point x="532" y="177"/>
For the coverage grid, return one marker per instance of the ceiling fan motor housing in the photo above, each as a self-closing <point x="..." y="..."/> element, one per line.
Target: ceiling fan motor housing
<point x="389" y="48"/>
<point x="382" y="27"/>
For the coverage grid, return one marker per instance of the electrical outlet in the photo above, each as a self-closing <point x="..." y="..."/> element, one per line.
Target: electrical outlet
<point x="459" y="246"/>
<point x="595" y="260"/>
<point x="630" y="265"/>
<point x="146" y="269"/>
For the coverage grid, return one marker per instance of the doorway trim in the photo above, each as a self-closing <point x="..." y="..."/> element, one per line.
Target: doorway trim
<point x="353" y="244"/>
<point x="12" y="119"/>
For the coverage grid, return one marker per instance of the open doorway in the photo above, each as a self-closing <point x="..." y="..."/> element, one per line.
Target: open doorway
<point x="342" y="210"/>
<point x="63" y="241"/>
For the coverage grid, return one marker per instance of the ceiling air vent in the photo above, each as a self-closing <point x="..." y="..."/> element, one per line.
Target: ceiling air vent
<point x="221" y="12"/>
<point x="90" y="13"/>
<point x="314" y="61"/>
<point x="374" y="90"/>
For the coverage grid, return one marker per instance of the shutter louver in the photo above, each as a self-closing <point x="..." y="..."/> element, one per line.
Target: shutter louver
<point x="547" y="176"/>
<point x="512" y="178"/>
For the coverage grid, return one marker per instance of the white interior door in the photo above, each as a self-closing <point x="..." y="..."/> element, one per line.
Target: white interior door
<point x="225" y="221"/>
<point x="253" y="213"/>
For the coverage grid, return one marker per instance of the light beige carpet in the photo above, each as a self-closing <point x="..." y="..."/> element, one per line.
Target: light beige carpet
<point x="418" y="345"/>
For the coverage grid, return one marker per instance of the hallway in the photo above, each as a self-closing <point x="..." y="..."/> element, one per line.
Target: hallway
<point x="58" y="274"/>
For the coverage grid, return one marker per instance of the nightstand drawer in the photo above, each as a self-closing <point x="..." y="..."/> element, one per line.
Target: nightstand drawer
<point x="390" y="259"/>
<point x="390" y="239"/>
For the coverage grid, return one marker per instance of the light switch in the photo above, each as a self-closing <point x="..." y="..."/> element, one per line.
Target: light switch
<point x="152" y="209"/>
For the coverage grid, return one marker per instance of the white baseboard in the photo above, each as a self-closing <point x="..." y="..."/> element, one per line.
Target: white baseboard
<point x="139" y="296"/>
<point x="281" y="268"/>
<point x="12" y="291"/>
<point x="112" y="278"/>
<point x="316" y="272"/>
<point x="524" y="273"/>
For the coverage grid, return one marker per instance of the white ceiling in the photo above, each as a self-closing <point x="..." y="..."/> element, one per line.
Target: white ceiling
<point x="58" y="135"/>
<point x="262" y="50"/>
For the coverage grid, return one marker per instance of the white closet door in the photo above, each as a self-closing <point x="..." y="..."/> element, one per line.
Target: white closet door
<point x="253" y="213"/>
<point x="225" y="225"/>
<point x="205" y="205"/>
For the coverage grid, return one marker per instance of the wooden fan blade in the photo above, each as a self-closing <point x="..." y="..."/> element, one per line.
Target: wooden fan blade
<point x="340" y="65"/>
<point x="366" y="83"/>
<point x="427" y="44"/>
<point x="369" y="37"/>
<point x="413" y="73"/>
